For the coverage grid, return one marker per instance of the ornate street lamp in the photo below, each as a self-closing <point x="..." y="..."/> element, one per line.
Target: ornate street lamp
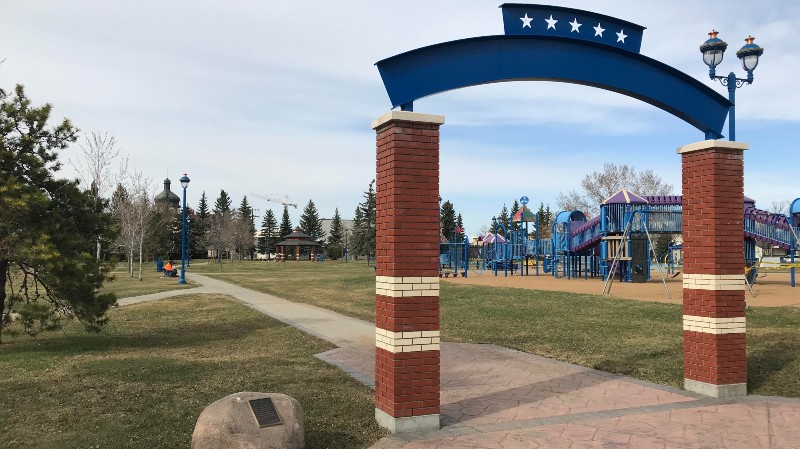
<point x="713" y="51"/>
<point x="184" y="184"/>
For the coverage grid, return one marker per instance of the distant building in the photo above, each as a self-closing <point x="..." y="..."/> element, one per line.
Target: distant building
<point x="347" y="225"/>
<point x="167" y="199"/>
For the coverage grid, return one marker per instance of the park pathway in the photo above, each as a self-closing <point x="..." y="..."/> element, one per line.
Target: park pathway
<point x="497" y="398"/>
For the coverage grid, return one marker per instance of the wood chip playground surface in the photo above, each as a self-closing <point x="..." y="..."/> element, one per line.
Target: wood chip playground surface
<point x="771" y="289"/>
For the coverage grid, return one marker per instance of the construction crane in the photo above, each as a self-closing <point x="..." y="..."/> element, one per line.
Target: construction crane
<point x="276" y="198"/>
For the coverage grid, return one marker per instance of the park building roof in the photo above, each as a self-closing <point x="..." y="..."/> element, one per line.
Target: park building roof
<point x="297" y="238"/>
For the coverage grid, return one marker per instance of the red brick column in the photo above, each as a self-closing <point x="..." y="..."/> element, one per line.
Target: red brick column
<point x="407" y="282"/>
<point x="714" y="329"/>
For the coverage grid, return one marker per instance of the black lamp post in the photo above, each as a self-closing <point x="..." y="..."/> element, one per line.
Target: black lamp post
<point x="713" y="51"/>
<point x="184" y="184"/>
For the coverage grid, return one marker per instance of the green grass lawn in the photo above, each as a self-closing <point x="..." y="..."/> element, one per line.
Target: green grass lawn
<point x="143" y="381"/>
<point x="640" y="339"/>
<point x="347" y="288"/>
<point x="125" y="286"/>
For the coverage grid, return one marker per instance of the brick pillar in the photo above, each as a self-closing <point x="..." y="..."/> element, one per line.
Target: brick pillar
<point x="407" y="282"/>
<point x="714" y="346"/>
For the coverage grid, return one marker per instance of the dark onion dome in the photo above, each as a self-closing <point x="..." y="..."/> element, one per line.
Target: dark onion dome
<point x="168" y="197"/>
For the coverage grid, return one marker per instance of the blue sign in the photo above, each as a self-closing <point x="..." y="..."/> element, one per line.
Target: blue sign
<point x="568" y="23"/>
<point x="551" y="55"/>
<point x="523" y="200"/>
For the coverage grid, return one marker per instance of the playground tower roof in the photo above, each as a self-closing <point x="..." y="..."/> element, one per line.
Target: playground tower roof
<point x="625" y="196"/>
<point x="524" y="215"/>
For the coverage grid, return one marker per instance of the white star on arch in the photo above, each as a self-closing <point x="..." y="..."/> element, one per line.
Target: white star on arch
<point x="621" y="36"/>
<point x="575" y="25"/>
<point x="551" y="22"/>
<point x="598" y="30"/>
<point x="526" y="21"/>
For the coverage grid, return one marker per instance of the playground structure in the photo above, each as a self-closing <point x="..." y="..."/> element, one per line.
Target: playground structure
<point x="615" y="242"/>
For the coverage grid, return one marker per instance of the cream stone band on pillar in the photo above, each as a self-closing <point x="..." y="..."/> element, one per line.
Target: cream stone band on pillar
<point x="413" y="341"/>
<point x="398" y="287"/>
<point x="714" y="281"/>
<point x="709" y="325"/>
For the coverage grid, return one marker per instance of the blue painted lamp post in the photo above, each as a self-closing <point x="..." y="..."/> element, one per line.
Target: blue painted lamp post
<point x="713" y="50"/>
<point x="184" y="184"/>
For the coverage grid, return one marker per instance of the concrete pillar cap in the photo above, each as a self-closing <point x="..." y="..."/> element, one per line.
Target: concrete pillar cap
<point x="407" y="116"/>
<point x="713" y="145"/>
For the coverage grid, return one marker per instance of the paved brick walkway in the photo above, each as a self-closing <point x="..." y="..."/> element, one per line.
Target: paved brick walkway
<point x="497" y="398"/>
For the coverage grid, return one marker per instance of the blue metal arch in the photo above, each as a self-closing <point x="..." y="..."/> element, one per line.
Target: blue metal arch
<point x="490" y="59"/>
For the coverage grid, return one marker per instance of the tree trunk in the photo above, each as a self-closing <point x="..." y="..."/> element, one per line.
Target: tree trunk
<point x="3" y="315"/>
<point x="99" y="248"/>
<point x="141" y="247"/>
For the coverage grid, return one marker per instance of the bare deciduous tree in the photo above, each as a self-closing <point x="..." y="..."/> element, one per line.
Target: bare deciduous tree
<point x="94" y="168"/>
<point x="134" y="211"/>
<point x="242" y="237"/>
<point x="780" y="207"/>
<point x="598" y="186"/>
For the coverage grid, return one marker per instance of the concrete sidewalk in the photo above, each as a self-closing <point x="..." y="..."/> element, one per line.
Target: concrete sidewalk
<point x="493" y="397"/>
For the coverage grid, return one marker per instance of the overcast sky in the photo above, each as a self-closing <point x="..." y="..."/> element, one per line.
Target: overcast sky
<point x="277" y="97"/>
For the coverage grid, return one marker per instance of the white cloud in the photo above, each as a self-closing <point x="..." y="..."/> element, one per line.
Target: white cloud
<point x="277" y="96"/>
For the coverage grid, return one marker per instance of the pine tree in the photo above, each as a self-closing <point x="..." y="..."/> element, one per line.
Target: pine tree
<point x="460" y="225"/>
<point x="545" y="221"/>
<point x="356" y="244"/>
<point x="311" y="224"/>
<point x="200" y="225"/>
<point x="48" y="225"/>
<point x="369" y="227"/>
<point x="269" y="234"/>
<point x="222" y="207"/>
<point x="363" y="241"/>
<point x="514" y="210"/>
<point x="447" y="217"/>
<point x="504" y="219"/>
<point x="337" y="231"/>
<point x="286" y="223"/>
<point x="247" y="216"/>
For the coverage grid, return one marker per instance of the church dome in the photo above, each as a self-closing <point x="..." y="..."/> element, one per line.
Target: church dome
<point x="167" y="197"/>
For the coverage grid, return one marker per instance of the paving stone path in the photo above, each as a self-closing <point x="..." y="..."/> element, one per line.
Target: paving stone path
<point x="497" y="398"/>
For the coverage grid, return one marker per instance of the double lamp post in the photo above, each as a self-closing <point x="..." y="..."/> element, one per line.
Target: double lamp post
<point x="713" y="50"/>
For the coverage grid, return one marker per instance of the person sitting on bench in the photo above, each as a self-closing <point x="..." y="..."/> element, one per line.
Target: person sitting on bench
<point x="169" y="271"/>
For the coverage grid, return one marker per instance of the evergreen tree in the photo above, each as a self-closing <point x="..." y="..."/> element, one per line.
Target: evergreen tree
<point x="222" y="207"/>
<point x="202" y="207"/>
<point x="311" y="224"/>
<point x="337" y="230"/>
<point x="447" y="217"/>
<point x="356" y="246"/>
<point x="504" y="218"/>
<point x="514" y="210"/>
<point x="247" y="217"/>
<point x="545" y="221"/>
<point x="48" y="226"/>
<point x="363" y="240"/>
<point x="269" y="234"/>
<point x="460" y="225"/>
<point x="369" y="227"/>
<point x="286" y="223"/>
<point x="199" y="228"/>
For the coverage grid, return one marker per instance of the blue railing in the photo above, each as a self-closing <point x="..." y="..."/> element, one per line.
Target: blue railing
<point x="768" y="232"/>
<point x="587" y="236"/>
